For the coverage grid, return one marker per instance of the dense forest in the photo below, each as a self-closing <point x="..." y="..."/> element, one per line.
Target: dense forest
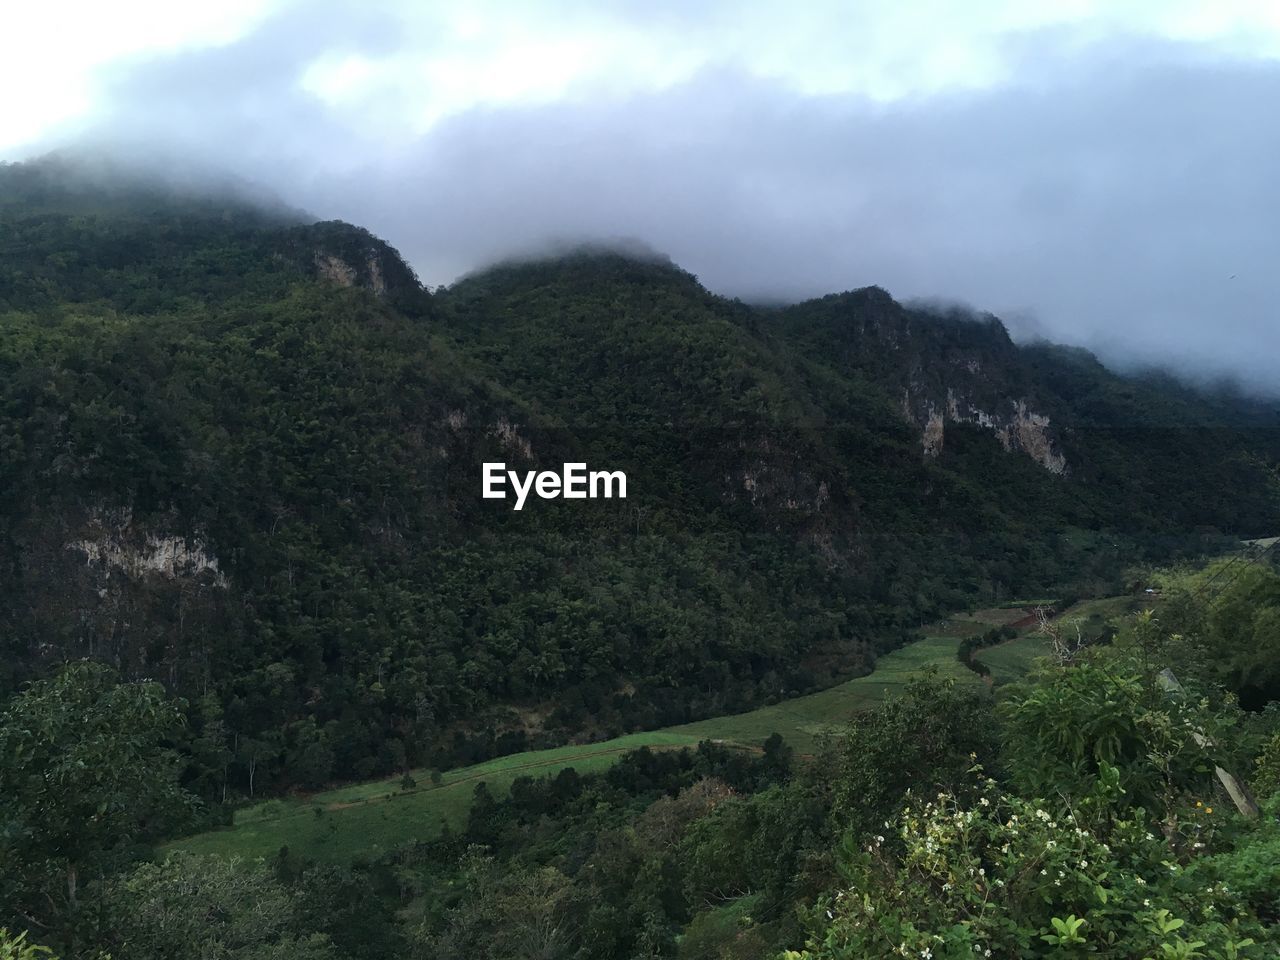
<point x="241" y="456"/>
<point x="243" y="553"/>
<point x="1078" y="813"/>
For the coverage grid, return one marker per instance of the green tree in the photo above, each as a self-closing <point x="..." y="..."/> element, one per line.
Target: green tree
<point x="86" y="772"/>
<point x="208" y="907"/>
<point x="924" y="740"/>
<point x="1104" y="710"/>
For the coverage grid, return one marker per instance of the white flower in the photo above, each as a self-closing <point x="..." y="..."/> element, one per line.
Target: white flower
<point x="926" y="953"/>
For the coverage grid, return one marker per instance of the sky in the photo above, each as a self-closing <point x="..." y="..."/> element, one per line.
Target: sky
<point x="1099" y="172"/>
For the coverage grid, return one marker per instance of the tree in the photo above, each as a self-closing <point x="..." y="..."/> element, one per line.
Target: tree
<point x="1105" y="710"/>
<point x="923" y="740"/>
<point x="86" y="772"/>
<point x="209" y="907"/>
<point x="515" y="914"/>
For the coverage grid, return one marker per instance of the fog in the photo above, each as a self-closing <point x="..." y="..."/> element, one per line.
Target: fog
<point x="1115" y="190"/>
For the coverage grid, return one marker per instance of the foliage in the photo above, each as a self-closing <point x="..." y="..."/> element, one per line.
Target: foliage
<point x="87" y="771"/>
<point x="1266" y="780"/>
<point x="1232" y="609"/>
<point x="1105" y="714"/>
<point x="209" y="908"/>
<point x="284" y="400"/>
<point x="240" y="454"/>
<point x="18" y="947"/>
<point x="924" y="739"/>
<point x="1004" y="876"/>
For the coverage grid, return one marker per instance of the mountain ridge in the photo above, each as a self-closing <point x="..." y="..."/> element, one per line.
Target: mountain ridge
<point x="244" y="458"/>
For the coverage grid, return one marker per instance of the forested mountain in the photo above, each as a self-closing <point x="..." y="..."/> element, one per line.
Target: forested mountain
<point x="241" y="455"/>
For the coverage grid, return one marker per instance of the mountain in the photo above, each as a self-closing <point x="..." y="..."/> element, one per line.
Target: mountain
<point x="242" y="454"/>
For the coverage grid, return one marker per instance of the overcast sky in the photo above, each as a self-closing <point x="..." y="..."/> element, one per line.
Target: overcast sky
<point x="1102" y="172"/>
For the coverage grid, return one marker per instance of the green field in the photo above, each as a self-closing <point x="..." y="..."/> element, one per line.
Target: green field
<point x="1013" y="659"/>
<point x="370" y="818"/>
<point x="803" y="719"/>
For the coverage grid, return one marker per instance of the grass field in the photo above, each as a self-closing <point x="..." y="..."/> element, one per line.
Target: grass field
<point x="370" y="818"/>
<point x="1014" y="659"/>
<point x="803" y="719"/>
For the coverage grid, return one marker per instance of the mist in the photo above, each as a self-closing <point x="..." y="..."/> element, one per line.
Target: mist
<point x="1112" y="192"/>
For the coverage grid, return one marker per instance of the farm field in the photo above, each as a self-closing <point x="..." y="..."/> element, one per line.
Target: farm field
<point x="337" y="826"/>
<point x="802" y="720"/>
<point x="365" y="819"/>
<point x="1013" y="659"/>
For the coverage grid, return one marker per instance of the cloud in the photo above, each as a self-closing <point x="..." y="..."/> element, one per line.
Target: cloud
<point x="1112" y="190"/>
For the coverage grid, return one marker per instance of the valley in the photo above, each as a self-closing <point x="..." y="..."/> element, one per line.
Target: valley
<point x="283" y="674"/>
<point x="370" y="819"/>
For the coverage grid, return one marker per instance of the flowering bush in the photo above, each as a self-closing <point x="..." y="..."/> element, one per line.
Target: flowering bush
<point x="1003" y="876"/>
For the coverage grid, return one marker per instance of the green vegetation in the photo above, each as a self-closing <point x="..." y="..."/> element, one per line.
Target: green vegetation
<point x="804" y="720"/>
<point x="1013" y="659"/>
<point x="1101" y="806"/>
<point x="363" y="819"/>
<point x="243" y="561"/>
<point x="195" y="380"/>
<point x="86" y="773"/>
<point x="369" y="819"/>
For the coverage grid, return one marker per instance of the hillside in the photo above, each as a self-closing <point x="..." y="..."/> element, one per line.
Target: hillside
<point x="242" y="455"/>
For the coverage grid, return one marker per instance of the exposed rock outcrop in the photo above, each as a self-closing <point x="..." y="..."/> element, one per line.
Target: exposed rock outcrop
<point x="114" y="544"/>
